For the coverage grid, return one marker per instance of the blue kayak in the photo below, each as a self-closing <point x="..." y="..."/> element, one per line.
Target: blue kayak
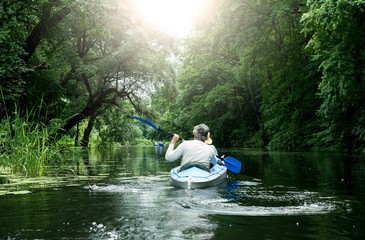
<point x="196" y="177"/>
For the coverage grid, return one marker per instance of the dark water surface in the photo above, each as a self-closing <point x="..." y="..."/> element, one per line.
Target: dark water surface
<point x="276" y="196"/>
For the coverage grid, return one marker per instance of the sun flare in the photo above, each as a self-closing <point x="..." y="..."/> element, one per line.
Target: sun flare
<point x="172" y="16"/>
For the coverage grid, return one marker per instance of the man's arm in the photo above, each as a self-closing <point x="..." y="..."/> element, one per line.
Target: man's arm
<point x="171" y="154"/>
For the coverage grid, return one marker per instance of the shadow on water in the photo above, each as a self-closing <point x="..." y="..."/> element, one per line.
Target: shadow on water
<point x="276" y="196"/>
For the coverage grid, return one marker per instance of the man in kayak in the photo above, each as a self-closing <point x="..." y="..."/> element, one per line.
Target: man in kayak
<point x="194" y="151"/>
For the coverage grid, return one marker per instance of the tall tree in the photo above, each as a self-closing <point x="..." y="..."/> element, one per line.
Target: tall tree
<point x="113" y="61"/>
<point x="79" y="59"/>
<point x="336" y="29"/>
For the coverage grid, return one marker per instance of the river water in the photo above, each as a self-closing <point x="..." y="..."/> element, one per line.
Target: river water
<point x="275" y="196"/>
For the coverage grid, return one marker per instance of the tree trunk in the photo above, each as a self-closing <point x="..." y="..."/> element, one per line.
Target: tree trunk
<point x="91" y="108"/>
<point x="46" y="23"/>
<point x="87" y="132"/>
<point x="77" y="135"/>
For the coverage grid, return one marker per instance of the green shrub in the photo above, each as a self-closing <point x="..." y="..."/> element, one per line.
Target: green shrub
<point x="25" y="148"/>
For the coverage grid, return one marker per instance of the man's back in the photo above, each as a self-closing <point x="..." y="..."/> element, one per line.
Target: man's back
<point x="191" y="151"/>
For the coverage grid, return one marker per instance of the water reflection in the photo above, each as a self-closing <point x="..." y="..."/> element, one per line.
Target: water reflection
<point x="132" y="161"/>
<point x="277" y="196"/>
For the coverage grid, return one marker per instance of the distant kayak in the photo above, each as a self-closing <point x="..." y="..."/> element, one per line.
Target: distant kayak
<point x="196" y="177"/>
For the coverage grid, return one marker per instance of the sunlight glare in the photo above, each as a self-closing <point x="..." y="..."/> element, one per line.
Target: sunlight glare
<point x="172" y="16"/>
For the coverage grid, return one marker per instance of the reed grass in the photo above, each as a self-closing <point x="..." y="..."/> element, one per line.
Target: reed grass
<point x="25" y="148"/>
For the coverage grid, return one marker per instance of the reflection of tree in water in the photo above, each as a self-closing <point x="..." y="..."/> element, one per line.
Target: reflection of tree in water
<point x="117" y="161"/>
<point x="86" y="161"/>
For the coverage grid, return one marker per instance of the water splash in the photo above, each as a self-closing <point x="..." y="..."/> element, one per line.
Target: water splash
<point x="242" y="198"/>
<point x="153" y="209"/>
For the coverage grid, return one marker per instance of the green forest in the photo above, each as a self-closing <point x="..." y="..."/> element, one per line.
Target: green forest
<point x="278" y="75"/>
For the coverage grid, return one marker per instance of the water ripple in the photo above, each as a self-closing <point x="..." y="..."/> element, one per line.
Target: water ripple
<point x="242" y="198"/>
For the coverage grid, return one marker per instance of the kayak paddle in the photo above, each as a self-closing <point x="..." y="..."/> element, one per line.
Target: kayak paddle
<point x="151" y="124"/>
<point x="231" y="163"/>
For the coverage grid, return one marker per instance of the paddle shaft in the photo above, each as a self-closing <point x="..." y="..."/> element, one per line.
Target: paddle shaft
<point x="154" y="126"/>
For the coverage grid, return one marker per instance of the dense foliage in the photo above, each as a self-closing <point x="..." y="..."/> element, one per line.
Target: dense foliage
<point x="261" y="73"/>
<point x="82" y="62"/>
<point x="68" y="67"/>
<point x="277" y="74"/>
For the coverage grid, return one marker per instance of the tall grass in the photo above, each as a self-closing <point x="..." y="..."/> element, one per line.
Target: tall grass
<point x="24" y="145"/>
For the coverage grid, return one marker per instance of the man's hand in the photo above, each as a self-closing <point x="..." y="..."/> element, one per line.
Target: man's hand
<point x="174" y="139"/>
